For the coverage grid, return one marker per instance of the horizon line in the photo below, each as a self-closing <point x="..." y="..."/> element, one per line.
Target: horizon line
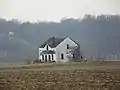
<point x="53" y="21"/>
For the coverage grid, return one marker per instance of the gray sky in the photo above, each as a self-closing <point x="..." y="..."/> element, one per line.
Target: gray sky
<point x="54" y="10"/>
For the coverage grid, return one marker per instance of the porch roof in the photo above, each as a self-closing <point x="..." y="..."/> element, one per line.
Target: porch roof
<point x="47" y="52"/>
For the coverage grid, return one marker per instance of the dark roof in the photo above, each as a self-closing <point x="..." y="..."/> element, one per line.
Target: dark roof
<point x="74" y="41"/>
<point x="52" y="42"/>
<point x="48" y="52"/>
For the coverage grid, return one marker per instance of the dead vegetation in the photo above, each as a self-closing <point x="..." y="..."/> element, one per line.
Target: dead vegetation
<point x="64" y="79"/>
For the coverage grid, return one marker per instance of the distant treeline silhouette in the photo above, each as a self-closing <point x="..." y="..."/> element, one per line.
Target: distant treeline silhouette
<point x="97" y="35"/>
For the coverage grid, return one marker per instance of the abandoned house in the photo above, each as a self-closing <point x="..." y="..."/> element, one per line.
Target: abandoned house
<point x="59" y="50"/>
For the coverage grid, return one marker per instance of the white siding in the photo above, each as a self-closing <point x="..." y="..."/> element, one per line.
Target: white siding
<point x="49" y="48"/>
<point x="62" y="48"/>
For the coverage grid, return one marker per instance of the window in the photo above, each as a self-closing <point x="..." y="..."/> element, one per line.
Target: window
<point x="49" y="57"/>
<point x="62" y="56"/>
<point x="52" y="57"/>
<point x="73" y="56"/>
<point x="42" y="57"/>
<point x="47" y="47"/>
<point x="45" y="57"/>
<point x="67" y="46"/>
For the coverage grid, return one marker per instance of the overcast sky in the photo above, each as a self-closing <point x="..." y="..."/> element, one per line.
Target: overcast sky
<point x="54" y="10"/>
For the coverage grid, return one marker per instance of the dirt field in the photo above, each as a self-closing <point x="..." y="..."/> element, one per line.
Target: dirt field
<point x="70" y="76"/>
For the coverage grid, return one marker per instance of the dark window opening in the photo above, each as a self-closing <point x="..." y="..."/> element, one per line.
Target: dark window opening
<point x="52" y="57"/>
<point x="73" y="56"/>
<point x="47" y="47"/>
<point x="81" y="57"/>
<point x="42" y="57"/>
<point x="68" y="46"/>
<point x="62" y="56"/>
<point x="45" y="57"/>
<point x="49" y="57"/>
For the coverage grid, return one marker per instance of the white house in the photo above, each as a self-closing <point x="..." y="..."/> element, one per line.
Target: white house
<point x="59" y="50"/>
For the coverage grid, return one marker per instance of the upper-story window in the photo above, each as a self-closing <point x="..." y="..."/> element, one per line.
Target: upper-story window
<point x="47" y="47"/>
<point x="68" y="46"/>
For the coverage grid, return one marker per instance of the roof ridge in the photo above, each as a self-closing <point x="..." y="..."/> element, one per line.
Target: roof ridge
<point x="52" y="42"/>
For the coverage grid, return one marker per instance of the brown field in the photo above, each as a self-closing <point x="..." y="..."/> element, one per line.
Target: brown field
<point x="69" y="76"/>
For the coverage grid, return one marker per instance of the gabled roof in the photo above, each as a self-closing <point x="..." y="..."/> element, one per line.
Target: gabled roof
<point x="74" y="41"/>
<point x="52" y="42"/>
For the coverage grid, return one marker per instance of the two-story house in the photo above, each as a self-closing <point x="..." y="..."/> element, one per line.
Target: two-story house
<point x="59" y="50"/>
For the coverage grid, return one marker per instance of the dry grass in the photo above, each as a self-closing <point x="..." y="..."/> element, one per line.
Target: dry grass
<point x="70" y="76"/>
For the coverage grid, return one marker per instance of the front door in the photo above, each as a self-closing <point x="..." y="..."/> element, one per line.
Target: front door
<point x="49" y="57"/>
<point x="45" y="58"/>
